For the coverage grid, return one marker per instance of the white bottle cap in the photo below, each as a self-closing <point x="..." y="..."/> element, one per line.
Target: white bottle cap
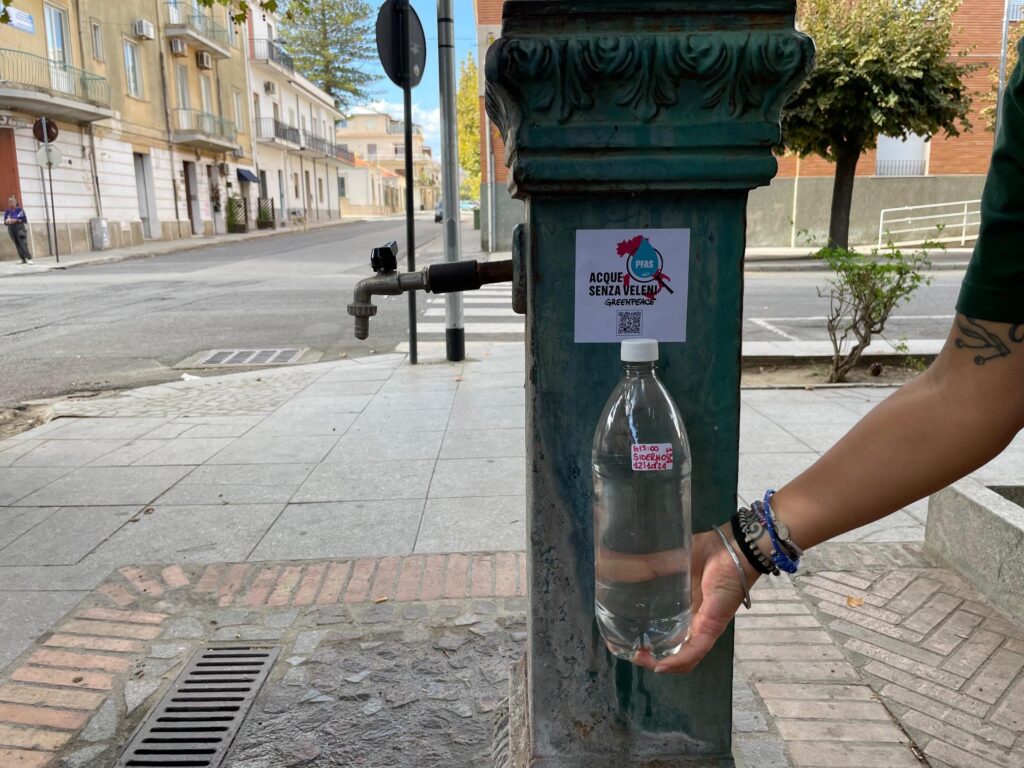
<point x="639" y="351"/>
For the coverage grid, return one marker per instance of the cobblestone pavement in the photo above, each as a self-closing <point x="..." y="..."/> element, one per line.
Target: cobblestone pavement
<point x="873" y="658"/>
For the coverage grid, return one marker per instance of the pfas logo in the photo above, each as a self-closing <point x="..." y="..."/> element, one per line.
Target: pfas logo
<point x="645" y="267"/>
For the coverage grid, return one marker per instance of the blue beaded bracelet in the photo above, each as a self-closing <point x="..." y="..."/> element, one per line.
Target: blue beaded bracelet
<point x="779" y="555"/>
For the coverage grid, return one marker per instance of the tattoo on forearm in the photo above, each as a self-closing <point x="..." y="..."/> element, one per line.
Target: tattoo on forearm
<point x="990" y="345"/>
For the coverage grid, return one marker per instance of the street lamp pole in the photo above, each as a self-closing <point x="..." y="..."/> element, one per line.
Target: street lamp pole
<point x="454" y="326"/>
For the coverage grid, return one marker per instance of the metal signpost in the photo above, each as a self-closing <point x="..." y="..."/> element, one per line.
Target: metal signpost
<point x="402" y="48"/>
<point x="45" y="132"/>
<point x="454" y="326"/>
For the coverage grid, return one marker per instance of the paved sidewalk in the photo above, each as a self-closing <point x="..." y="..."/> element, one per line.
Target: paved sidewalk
<point x="41" y="263"/>
<point x="265" y="506"/>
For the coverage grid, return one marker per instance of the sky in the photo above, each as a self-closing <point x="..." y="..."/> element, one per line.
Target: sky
<point x="387" y="97"/>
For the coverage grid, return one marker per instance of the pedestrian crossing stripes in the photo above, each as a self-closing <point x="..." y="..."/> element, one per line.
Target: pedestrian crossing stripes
<point x="487" y="313"/>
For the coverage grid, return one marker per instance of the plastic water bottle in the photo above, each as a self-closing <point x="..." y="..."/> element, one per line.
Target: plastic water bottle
<point x="642" y="528"/>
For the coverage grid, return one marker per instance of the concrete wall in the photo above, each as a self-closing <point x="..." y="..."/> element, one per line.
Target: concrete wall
<point x="770" y="209"/>
<point x="509" y="212"/>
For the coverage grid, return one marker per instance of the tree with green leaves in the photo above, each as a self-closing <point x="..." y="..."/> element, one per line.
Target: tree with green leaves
<point x="884" y="68"/>
<point x="467" y="113"/>
<point x="330" y="40"/>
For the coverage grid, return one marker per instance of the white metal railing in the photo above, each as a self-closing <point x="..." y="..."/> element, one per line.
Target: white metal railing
<point x="899" y="167"/>
<point x="955" y="222"/>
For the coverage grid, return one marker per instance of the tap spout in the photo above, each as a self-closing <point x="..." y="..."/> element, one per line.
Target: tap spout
<point x="362" y="307"/>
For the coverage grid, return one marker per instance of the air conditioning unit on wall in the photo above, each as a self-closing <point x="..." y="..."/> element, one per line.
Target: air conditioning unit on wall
<point x="178" y="47"/>
<point x="144" y="29"/>
<point x="224" y="169"/>
<point x="270" y="87"/>
<point x="204" y="60"/>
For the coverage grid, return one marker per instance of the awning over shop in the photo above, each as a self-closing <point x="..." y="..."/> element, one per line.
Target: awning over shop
<point x="244" y="174"/>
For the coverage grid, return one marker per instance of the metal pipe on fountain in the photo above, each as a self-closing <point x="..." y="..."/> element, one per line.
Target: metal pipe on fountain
<point x="437" y="278"/>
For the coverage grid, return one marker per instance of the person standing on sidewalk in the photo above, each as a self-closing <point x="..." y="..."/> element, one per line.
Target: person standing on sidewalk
<point x="17" y="227"/>
<point x="954" y="418"/>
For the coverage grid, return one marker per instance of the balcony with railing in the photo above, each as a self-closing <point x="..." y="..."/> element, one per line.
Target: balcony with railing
<point x="203" y="130"/>
<point x="344" y="155"/>
<point x="272" y="130"/>
<point x="195" y="26"/>
<point x="313" y="145"/>
<point x="43" y="86"/>
<point x="269" y="52"/>
<point x="900" y="167"/>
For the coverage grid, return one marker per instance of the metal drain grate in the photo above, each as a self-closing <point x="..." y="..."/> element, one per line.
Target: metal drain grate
<point x="196" y="721"/>
<point x="250" y="357"/>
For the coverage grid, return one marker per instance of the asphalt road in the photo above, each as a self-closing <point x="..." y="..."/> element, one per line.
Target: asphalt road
<point x="128" y="324"/>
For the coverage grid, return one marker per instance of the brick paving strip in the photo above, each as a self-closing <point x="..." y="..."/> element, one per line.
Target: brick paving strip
<point x="98" y="652"/>
<point x="872" y="657"/>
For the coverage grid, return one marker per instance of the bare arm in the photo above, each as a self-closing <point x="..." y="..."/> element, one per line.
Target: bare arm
<point x="963" y="411"/>
<point x="958" y="415"/>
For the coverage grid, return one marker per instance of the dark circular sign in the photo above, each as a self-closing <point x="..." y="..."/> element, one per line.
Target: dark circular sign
<point x="389" y="43"/>
<point x="51" y="131"/>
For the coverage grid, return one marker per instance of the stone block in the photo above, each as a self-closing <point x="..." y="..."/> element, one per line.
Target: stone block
<point x="981" y="533"/>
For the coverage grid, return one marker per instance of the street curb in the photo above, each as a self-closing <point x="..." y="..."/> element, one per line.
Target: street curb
<point x="186" y="245"/>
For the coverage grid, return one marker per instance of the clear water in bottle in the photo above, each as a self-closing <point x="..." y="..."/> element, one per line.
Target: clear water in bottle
<point x="642" y="531"/>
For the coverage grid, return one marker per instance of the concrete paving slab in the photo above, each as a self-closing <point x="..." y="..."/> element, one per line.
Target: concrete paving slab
<point x="275" y="449"/>
<point x="386" y="421"/>
<point x="483" y="444"/>
<point x="487" y="416"/>
<point x="194" y="494"/>
<point x="371" y="478"/>
<point x="404" y="400"/>
<point x="342" y="529"/>
<point x="388" y="446"/>
<point x="66" y="536"/>
<point x="11" y="451"/>
<point x="234" y="429"/>
<point x="788" y="408"/>
<point x="478" y="477"/>
<point x="820" y="437"/>
<point x="104" y="486"/>
<point x="14" y="521"/>
<point x="185" y="450"/>
<point x="309" y="422"/>
<point x="129" y="453"/>
<point x="249" y="474"/>
<point x="27" y="615"/>
<point x="192" y="534"/>
<point x="899" y="526"/>
<point x="760" y="471"/>
<point x="471" y="524"/>
<point x="67" y="453"/>
<point x="18" y="482"/>
<point x="759" y="434"/>
<point x="104" y="429"/>
<point x="495" y="396"/>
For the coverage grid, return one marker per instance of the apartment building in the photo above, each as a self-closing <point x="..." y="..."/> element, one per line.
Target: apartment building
<point x="150" y="100"/>
<point x="379" y="139"/>
<point x="908" y="171"/>
<point x="299" y="161"/>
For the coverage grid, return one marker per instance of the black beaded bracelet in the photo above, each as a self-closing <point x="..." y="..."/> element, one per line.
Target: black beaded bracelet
<point x="745" y="538"/>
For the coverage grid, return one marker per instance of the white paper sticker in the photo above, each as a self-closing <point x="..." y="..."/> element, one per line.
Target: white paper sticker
<point x="631" y="283"/>
<point x="652" y="457"/>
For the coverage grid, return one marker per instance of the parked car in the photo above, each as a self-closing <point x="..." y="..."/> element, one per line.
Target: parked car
<point x="438" y="212"/>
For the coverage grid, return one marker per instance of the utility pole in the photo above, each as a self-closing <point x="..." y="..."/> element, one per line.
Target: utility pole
<point x="454" y="324"/>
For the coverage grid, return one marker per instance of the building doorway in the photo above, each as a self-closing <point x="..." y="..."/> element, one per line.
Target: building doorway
<point x="145" y="193"/>
<point x="192" y="197"/>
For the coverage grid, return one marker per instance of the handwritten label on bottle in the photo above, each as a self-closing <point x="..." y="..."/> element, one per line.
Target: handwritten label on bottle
<point x="652" y="457"/>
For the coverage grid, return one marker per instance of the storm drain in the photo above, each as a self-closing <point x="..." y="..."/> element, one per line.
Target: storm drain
<point x="250" y="357"/>
<point x="195" y="722"/>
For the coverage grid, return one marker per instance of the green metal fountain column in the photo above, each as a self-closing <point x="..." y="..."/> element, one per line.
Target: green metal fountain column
<point x="630" y="115"/>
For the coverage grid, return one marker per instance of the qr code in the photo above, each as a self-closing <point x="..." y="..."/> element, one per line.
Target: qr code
<point x="629" y="324"/>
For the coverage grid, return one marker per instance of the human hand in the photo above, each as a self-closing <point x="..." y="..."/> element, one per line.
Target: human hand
<point x="716" y="595"/>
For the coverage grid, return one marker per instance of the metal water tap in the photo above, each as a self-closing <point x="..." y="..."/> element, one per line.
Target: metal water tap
<point x="437" y="278"/>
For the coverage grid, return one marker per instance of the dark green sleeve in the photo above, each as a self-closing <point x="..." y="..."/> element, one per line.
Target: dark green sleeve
<point x="993" y="288"/>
